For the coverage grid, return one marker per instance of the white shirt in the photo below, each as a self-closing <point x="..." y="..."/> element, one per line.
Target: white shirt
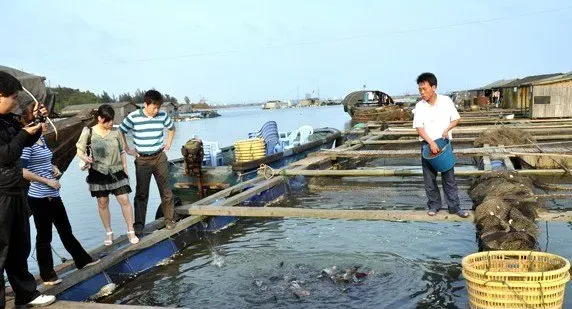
<point x="435" y="118"/>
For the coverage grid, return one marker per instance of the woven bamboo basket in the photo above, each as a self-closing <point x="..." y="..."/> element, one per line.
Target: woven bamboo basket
<point x="515" y="279"/>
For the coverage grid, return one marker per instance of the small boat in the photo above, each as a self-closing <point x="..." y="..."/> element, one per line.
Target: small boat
<point x="374" y="105"/>
<point x="224" y="167"/>
<point x="275" y="104"/>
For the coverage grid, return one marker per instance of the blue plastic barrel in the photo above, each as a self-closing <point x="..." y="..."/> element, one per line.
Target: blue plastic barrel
<point x="444" y="160"/>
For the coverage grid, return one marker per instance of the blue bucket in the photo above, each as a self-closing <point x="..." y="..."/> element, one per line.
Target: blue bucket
<point x="444" y="160"/>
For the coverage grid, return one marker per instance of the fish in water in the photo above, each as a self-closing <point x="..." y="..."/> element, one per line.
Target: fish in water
<point x="297" y="289"/>
<point x="350" y="275"/>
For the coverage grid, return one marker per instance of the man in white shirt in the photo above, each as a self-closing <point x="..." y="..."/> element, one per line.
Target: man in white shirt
<point x="435" y="116"/>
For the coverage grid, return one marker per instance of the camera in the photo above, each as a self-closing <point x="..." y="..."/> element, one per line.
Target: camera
<point x="37" y="120"/>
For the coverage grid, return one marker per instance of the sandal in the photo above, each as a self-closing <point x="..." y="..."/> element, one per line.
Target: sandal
<point x="108" y="239"/>
<point x="431" y="213"/>
<point x="463" y="214"/>
<point x="132" y="237"/>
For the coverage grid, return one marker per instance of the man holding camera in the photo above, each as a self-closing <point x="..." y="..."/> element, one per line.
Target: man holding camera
<point x="14" y="212"/>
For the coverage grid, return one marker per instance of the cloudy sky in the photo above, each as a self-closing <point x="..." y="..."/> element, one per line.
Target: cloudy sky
<point x="254" y="50"/>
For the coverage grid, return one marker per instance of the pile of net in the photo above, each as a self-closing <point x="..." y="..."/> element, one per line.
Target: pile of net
<point x="385" y="113"/>
<point x="504" y="136"/>
<point x="505" y="211"/>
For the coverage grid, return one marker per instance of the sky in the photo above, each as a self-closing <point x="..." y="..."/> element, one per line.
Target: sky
<point x="240" y="51"/>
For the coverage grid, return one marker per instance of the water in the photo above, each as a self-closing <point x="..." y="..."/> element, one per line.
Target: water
<point x="234" y="124"/>
<point x="414" y="265"/>
<point x="253" y="263"/>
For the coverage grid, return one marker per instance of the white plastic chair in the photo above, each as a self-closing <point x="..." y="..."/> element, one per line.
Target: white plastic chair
<point x="290" y="140"/>
<point x="212" y="154"/>
<point x="305" y="132"/>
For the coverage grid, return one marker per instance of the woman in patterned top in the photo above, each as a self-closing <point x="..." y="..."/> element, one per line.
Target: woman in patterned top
<point x="48" y="209"/>
<point x="108" y="170"/>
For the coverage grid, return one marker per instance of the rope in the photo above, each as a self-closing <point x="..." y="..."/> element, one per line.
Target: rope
<point x="63" y="259"/>
<point x="265" y="168"/>
<point x="33" y="255"/>
<point x="547" y="238"/>
<point x="510" y="287"/>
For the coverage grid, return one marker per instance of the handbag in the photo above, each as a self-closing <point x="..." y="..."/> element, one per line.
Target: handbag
<point x="84" y="166"/>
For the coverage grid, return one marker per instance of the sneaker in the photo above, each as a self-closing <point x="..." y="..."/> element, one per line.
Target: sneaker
<point x="170" y="224"/>
<point x="42" y="300"/>
<point x="53" y="282"/>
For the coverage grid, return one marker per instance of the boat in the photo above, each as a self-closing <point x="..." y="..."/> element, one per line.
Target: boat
<point x="374" y="105"/>
<point x="222" y="167"/>
<point x="274" y="104"/>
<point x="123" y="261"/>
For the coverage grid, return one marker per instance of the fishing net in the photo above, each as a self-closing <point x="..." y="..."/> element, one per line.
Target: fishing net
<point x="504" y="136"/>
<point x="505" y="211"/>
<point x="386" y="113"/>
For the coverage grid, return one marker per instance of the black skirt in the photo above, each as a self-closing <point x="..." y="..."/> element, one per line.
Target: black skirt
<point x="101" y="185"/>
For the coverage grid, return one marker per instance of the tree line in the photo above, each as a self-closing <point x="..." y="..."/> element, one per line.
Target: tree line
<point x="68" y="96"/>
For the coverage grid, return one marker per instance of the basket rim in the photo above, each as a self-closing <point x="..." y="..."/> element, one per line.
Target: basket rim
<point x="513" y="284"/>
<point x="468" y="266"/>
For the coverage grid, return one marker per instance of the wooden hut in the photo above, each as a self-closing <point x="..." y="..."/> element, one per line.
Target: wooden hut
<point x="518" y="93"/>
<point x="552" y="97"/>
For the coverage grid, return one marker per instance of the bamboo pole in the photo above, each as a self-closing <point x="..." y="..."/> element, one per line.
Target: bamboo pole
<point x="484" y="120"/>
<point x="350" y="214"/>
<point x="469" y="131"/>
<point x="551" y="137"/>
<point x="459" y="152"/>
<point x="406" y="172"/>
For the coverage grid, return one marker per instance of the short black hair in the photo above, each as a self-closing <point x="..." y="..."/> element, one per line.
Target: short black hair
<point x="427" y="77"/>
<point x="106" y="112"/>
<point x="153" y="97"/>
<point x="9" y="84"/>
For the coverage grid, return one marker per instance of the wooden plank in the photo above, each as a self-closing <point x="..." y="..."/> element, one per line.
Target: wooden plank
<point x="460" y="152"/>
<point x="487" y="164"/>
<point x="484" y="120"/>
<point x="406" y="172"/>
<point x="555" y="155"/>
<point x="350" y="214"/>
<point x="487" y="161"/>
<point x="473" y="131"/>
